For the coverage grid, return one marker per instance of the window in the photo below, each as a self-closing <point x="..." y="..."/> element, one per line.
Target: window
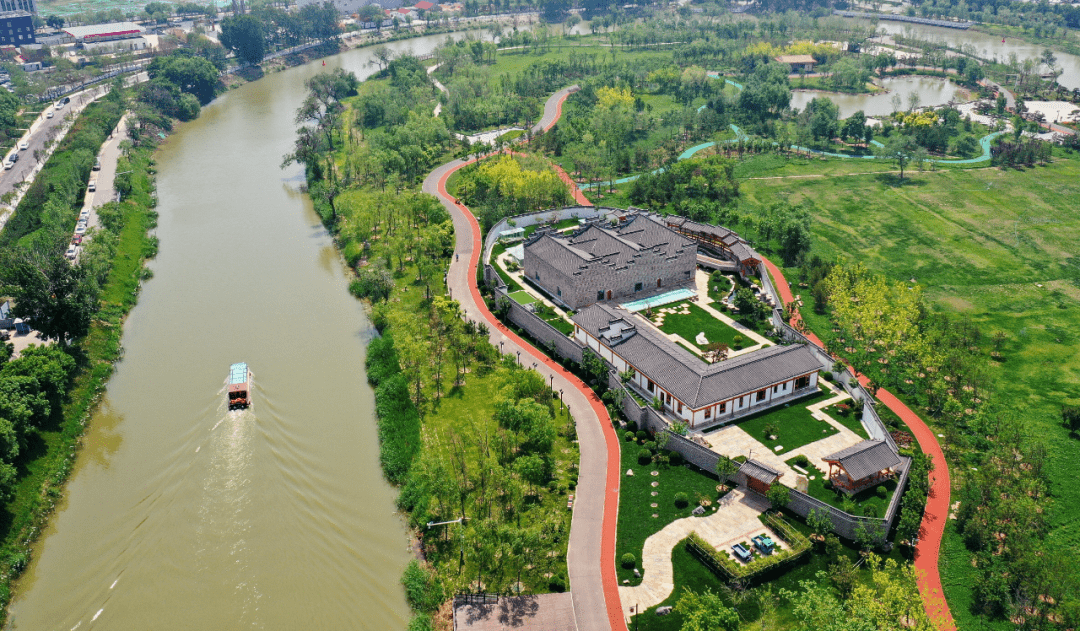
<point x="651" y="385"/>
<point x="637" y="286"/>
<point x="537" y="275"/>
<point x="558" y="290"/>
<point x="720" y="409"/>
<point x="761" y="395"/>
<point x="802" y="382"/>
<point x="687" y="273"/>
<point x="659" y="282"/>
<point x="708" y="412"/>
<point x="775" y="388"/>
<point x="600" y="295"/>
<point x="680" y="407"/>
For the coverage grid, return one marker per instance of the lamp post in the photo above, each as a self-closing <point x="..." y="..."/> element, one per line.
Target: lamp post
<point x="519" y="357"/>
<point x="459" y="520"/>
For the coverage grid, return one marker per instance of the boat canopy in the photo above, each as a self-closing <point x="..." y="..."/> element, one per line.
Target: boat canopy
<point x="238" y="373"/>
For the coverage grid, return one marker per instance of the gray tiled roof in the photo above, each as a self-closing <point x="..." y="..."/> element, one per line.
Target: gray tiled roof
<point x="685" y="375"/>
<point x="597" y="246"/>
<point x="865" y="459"/>
<point x="759" y="471"/>
<point x="733" y="241"/>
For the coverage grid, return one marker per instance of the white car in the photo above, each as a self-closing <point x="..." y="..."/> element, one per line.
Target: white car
<point x="24" y="145"/>
<point x="70" y="254"/>
<point x="80" y="229"/>
<point x="8" y="165"/>
<point x="49" y="114"/>
<point x="93" y="186"/>
<point x="59" y="104"/>
<point x="84" y="214"/>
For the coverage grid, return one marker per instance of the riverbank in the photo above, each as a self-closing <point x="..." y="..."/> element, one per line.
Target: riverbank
<point x="46" y="469"/>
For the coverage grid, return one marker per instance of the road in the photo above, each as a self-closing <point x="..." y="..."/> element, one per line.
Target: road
<point x="105" y="178"/>
<point x="591" y="555"/>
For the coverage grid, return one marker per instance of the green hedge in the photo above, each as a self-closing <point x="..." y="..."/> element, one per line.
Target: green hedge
<point x="727" y="568"/>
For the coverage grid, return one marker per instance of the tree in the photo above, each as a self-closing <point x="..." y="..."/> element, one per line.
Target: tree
<point x="823" y="118"/>
<point x="747" y="303"/>
<point x="1070" y="415"/>
<point x="778" y="495"/>
<point x="55" y="21"/>
<point x="593" y="366"/>
<point x="706" y="611"/>
<point x="855" y="126"/>
<point x="382" y="55"/>
<point x="901" y="149"/>
<point x="193" y="75"/>
<point x="56" y="297"/>
<point x="820" y="521"/>
<point x="243" y="34"/>
<point x="725" y="468"/>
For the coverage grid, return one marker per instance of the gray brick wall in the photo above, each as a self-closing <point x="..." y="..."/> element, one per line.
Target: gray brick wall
<point x="540" y="330"/>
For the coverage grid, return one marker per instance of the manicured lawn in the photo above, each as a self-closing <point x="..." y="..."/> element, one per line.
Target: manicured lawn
<point x="522" y="297"/>
<point x="718" y="289"/>
<point x="849" y="421"/>
<point x="997" y="246"/>
<point x="795" y="425"/>
<point x="635" y="501"/>
<point x="699" y="320"/>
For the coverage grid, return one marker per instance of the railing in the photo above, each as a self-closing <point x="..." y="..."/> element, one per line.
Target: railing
<point x="475" y="599"/>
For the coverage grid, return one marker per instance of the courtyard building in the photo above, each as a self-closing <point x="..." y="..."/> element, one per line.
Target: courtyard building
<point x="759" y="476"/>
<point x="717" y="238"/>
<point x="861" y="466"/>
<point x="689" y="389"/>
<point x="798" y="63"/>
<point x="601" y="262"/>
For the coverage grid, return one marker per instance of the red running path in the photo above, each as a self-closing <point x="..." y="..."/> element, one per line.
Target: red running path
<point x="591" y="556"/>
<point x="937" y="504"/>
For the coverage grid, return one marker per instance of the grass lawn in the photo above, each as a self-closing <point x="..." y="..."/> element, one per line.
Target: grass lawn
<point x="522" y="297"/>
<point x="849" y="421"/>
<point x="718" y="289"/>
<point x="796" y="426"/>
<point x="999" y="247"/>
<point x="699" y="320"/>
<point x="636" y="498"/>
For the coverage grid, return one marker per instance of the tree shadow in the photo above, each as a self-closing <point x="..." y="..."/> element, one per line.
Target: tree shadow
<point x="892" y="180"/>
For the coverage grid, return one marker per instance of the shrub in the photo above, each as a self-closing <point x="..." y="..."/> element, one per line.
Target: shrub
<point x="827" y="376"/>
<point x="642" y="435"/>
<point x="650" y="445"/>
<point x="631" y="426"/>
<point x="629" y="436"/>
<point x="628" y="561"/>
<point x="870" y="510"/>
<point x="423" y="589"/>
<point x="801" y="461"/>
<point x="557" y="583"/>
<point x="675" y="458"/>
<point x="681" y="500"/>
<point x="881" y="491"/>
<point x="843" y="409"/>
<point x="553" y="486"/>
<point x="738" y="339"/>
<point x="644" y="457"/>
<point x="848" y="506"/>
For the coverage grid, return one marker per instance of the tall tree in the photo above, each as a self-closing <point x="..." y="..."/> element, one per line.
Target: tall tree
<point x="56" y="297"/>
<point x="243" y="34"/>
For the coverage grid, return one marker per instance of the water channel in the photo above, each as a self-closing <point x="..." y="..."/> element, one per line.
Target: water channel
<point x="932" y="92"/>
<point x="181" y="515"/>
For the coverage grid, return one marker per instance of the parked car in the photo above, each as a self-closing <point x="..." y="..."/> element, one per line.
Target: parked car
<point x="741" y="553"/>
<point x="8" y="164"/>
<point x="70" y="254"/>
<point x="13" y="158"/>
<point x="80" y="229"/>
<point x="65" y="100"/>
<point x="76" y="240"/>
<point x="49" y="114"/>
<point x="97" y="165"/>
<point x="764" y="543"/>
<point x="24" y="145"/>
<point x="93" y="186"/>
<point x="59" y="104"/>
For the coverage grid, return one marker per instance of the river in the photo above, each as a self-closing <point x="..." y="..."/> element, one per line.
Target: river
<point x="181" y="515"/>
<point x="932" y="92"/>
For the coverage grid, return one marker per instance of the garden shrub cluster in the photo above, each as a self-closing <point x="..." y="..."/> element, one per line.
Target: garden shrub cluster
<point x="720" y="562"/>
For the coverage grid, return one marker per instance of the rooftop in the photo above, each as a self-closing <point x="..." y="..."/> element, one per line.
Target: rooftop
<point x="731" y="240"/>
<point x="685" y="375"/>
<point x="104" y="30"/>
<point x="759" y="471"/>
<point x="796" y="59"/>
<point x="865" y="459"/>
<point x="614" y="247"/>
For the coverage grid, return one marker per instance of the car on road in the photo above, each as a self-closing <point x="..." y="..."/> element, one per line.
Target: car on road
<point x="80" y="229"/>
<point x="93" y="186"/>
<point x="76" y="240"/>
<point x="70" y="254"/>
<point x="97" y="164"/>
<point x="49" y="114"/>
<point x="66" y="100"/>
<point x="24" y="145"/>
<point x="59" y="104"/>
<point x="84" y="214"/>
<point x="8" y="165"/>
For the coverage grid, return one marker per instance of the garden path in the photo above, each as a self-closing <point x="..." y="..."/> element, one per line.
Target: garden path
<point x="734" y="520"/>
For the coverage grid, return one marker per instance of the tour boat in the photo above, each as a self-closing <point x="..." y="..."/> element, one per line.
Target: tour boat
<point x="239" y="389"/>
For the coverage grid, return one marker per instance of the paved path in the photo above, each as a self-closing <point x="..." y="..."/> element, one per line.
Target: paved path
<point x="937" y="504"/>
<point x="591" y="556"/>
<point x="735" y="520"/>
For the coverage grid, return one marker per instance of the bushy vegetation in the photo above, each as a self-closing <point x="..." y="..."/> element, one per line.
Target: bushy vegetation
<point x="508" y="186"/>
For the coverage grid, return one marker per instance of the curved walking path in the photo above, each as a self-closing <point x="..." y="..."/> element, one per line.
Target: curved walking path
<point x="591" y="554"/>
<point x="937" y="503"/>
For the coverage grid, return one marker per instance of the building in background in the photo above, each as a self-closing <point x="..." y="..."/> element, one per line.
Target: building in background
<point x="16" y="28"/>
<point x="18" y="5"/>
